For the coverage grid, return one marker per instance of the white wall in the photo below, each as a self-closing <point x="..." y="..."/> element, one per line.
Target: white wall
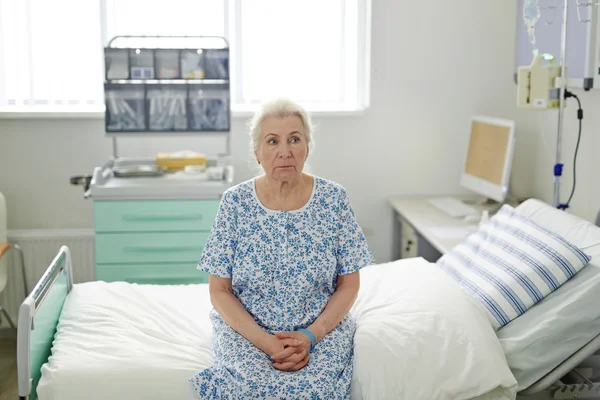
<point x="433" y="65"/>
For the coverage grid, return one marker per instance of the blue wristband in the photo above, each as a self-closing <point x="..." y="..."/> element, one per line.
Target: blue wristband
<point x="313" y="341"/>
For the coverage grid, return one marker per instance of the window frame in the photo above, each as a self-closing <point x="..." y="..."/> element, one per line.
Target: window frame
<point x="231" y="14"/>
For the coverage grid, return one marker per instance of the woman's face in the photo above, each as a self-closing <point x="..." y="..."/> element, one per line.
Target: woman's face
<point x="282" y="148"/>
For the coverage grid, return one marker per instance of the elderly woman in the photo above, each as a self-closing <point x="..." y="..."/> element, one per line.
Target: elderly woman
<point x="283" y="259"/>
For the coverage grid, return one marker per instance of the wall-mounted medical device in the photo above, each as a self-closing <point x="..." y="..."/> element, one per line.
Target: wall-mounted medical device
<point x="537" y="84"/>
<point x="539" y="31"/>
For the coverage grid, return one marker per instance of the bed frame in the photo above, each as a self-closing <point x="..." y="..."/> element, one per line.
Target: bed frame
<point x="564" y="382"/>
<point x="40" y="313"/>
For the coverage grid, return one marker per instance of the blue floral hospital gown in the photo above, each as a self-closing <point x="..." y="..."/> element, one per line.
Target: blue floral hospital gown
<point x="283" y="266"/>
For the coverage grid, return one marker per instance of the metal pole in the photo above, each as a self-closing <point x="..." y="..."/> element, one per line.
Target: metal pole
<point x="114" y="143"/>
<point x="22" y="258"/>
<point x="229" y="142"/>
<point x="561" y="93"/>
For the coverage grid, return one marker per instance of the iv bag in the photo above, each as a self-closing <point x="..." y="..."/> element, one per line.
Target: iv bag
<point x="531" y="15"/>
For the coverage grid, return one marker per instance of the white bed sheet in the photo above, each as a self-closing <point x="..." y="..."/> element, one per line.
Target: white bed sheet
<point x="554" y="329"/>
<point x="122" y="341"/>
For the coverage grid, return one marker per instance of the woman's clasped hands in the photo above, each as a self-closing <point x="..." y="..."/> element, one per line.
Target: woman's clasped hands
<point x="289" y="351"/>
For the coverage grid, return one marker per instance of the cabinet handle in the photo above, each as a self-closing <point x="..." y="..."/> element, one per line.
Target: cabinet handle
<point x="163" y="249"/>
<point x="165" y="217"/>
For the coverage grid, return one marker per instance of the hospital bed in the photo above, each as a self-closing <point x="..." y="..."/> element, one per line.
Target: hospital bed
<point x="125" y="341"/>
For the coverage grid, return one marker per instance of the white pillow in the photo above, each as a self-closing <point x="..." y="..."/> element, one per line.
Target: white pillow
<point x="512" y="263"/>
<point x="419" y="336"/>
<point x="583" y="234"/>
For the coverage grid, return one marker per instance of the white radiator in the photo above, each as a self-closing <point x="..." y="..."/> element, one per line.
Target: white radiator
<point x="39" y="248"/>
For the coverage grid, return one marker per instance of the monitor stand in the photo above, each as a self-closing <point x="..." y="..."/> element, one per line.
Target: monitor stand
<point x="491" y="205"/>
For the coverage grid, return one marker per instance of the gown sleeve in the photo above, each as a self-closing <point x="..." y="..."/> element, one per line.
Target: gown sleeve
<point x="219" y="252"/>
<point x="353" y="251"/>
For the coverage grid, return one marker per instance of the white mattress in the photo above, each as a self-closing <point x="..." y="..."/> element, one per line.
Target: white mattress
<point x="418" y="336"/>
<point x="554" y="329"/>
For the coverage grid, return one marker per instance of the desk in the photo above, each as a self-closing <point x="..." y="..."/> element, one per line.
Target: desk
<point x="422" y="230"/>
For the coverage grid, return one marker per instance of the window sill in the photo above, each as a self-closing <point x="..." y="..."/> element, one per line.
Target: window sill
<point x="21" y="113"/>
<point x="51" y="113"/>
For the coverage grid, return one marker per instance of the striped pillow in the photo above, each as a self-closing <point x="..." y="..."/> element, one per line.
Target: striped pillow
<point x="512" y="263"/>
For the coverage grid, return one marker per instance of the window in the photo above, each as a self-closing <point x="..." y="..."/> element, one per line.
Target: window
<point x="50" y="54"/>
<point x="51" y="51"/>
<point x="312" y="50"/>
<point x="180" y="18"/>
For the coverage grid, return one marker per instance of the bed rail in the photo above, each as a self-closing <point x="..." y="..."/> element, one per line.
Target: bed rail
<point x="38" y="317"/>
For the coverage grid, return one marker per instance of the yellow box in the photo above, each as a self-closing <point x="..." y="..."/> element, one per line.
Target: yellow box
<point x="172" y="163"/>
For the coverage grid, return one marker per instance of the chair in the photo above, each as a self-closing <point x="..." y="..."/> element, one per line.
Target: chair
<point x="4" y="248"/>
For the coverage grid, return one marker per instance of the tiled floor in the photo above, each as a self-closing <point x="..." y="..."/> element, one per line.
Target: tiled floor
<point x="8" y="369"/>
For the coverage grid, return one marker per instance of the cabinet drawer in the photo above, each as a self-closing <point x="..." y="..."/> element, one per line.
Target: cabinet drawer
<point x="154" y="215"/>
<point x="409" y="241"/>
<point x="117" y="248"/>
<point x="157" y="274"/>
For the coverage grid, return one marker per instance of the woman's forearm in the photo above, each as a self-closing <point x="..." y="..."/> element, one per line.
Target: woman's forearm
<point x="237" y="317"/>
<point x="337" y="308"/>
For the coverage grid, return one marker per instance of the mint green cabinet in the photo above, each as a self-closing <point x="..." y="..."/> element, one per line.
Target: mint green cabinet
<point x="152" y="241"/>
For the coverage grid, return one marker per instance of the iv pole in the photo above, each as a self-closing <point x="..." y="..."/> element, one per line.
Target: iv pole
<point x="558" y="166"/>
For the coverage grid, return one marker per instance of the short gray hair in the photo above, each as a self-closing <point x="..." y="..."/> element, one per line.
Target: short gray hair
<point x="278" y="107"/>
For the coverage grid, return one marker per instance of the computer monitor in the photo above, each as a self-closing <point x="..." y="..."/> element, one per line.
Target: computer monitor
<point x="489" y="157"/>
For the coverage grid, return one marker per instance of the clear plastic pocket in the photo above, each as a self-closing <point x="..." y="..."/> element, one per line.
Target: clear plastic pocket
<point x="192" y="64"/>
<point x="167" y="63"/>
<point x="125" y="110"/>
<point x="167" y="107"/>
<point x="142" y="63"/>
<point x="117" y="64"/>
<point x="208" y="108"/>
<point x="216" y="64"/>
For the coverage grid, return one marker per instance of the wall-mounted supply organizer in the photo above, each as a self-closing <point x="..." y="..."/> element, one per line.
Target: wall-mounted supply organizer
<point x="167" y="84"/>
